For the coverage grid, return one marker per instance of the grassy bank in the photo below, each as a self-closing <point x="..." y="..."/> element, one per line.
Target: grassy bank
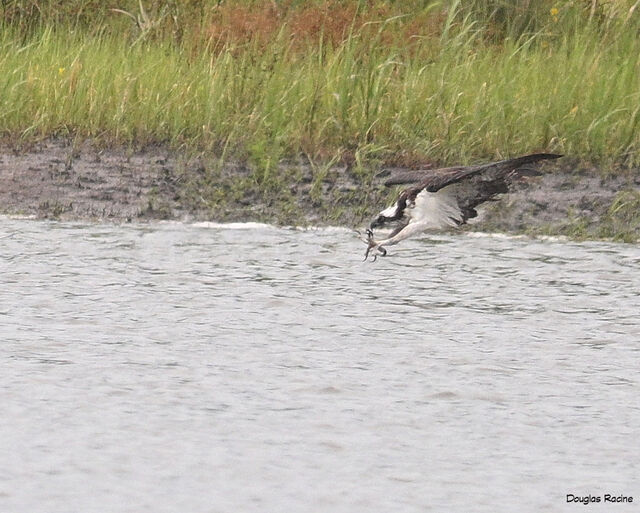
<point x="355" y="82"/>
<point x="426" y="81"/>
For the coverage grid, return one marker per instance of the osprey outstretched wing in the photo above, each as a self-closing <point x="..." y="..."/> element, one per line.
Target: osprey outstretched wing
<point x="447" y="197"/>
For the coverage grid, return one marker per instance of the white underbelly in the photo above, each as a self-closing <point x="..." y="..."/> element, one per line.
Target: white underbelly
<point x="436" y="210"/>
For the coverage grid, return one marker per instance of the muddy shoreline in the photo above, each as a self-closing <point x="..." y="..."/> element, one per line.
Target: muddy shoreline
<point x="58" y="180"/>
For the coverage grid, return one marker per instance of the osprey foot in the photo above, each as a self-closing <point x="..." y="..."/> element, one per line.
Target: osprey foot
<point x="372" y="244"/>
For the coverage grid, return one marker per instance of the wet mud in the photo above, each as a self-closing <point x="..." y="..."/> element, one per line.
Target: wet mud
<point x="59" y="180"/>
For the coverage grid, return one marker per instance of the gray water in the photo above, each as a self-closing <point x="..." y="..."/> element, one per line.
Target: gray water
<point x="185" y="368"/>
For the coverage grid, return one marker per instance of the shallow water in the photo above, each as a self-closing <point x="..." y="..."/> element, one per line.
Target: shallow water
<point x="171" y="367"/>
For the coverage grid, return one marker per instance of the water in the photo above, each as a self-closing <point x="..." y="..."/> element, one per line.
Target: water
<point x="169" y="367"/>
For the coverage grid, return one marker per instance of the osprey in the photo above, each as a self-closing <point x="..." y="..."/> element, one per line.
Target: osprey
<point x="445" y="198"/>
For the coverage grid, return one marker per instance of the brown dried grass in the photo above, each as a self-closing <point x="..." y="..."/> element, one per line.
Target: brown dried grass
<point x="327" y="22"/>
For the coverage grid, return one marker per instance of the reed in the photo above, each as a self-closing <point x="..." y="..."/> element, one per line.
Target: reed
<point x="469" y="81"/>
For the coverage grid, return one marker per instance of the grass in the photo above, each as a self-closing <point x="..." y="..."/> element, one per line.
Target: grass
<point x="373" y="90"/>
<point x="351" y="81"/>
<point x="622" y="220"/>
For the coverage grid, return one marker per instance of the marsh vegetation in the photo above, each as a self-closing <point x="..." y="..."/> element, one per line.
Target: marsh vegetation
<point x="351" y="82"/>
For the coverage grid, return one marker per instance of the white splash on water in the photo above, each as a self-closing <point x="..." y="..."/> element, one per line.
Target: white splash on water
<point x="265" y="226"/>
<point x="511" y="236"/>
<point x="235" y="226"/>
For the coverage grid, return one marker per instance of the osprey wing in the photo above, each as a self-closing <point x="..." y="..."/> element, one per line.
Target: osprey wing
<point x="435" y="179"/>
<point x="447" y="197"/>
<point x="492" y="171"/>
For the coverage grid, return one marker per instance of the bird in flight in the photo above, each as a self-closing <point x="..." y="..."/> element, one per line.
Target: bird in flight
<point x="445" y="198"/>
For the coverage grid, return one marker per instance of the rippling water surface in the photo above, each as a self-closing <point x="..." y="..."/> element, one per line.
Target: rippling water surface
<point x="168" y="367"/>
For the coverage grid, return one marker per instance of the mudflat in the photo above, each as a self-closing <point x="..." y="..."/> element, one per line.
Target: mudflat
<point x="60" y="180"/>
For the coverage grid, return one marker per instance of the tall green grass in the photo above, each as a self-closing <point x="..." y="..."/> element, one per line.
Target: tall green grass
<point x="571" y="87"/>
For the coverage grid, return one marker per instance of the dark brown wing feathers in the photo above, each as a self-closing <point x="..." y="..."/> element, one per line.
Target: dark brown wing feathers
<point x="435" y="179"/>
<point x="495" y="180"/>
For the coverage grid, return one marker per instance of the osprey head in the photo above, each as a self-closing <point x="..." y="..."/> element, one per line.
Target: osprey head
<point x="377" y="222"/>
<point x="388" y="214"/>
